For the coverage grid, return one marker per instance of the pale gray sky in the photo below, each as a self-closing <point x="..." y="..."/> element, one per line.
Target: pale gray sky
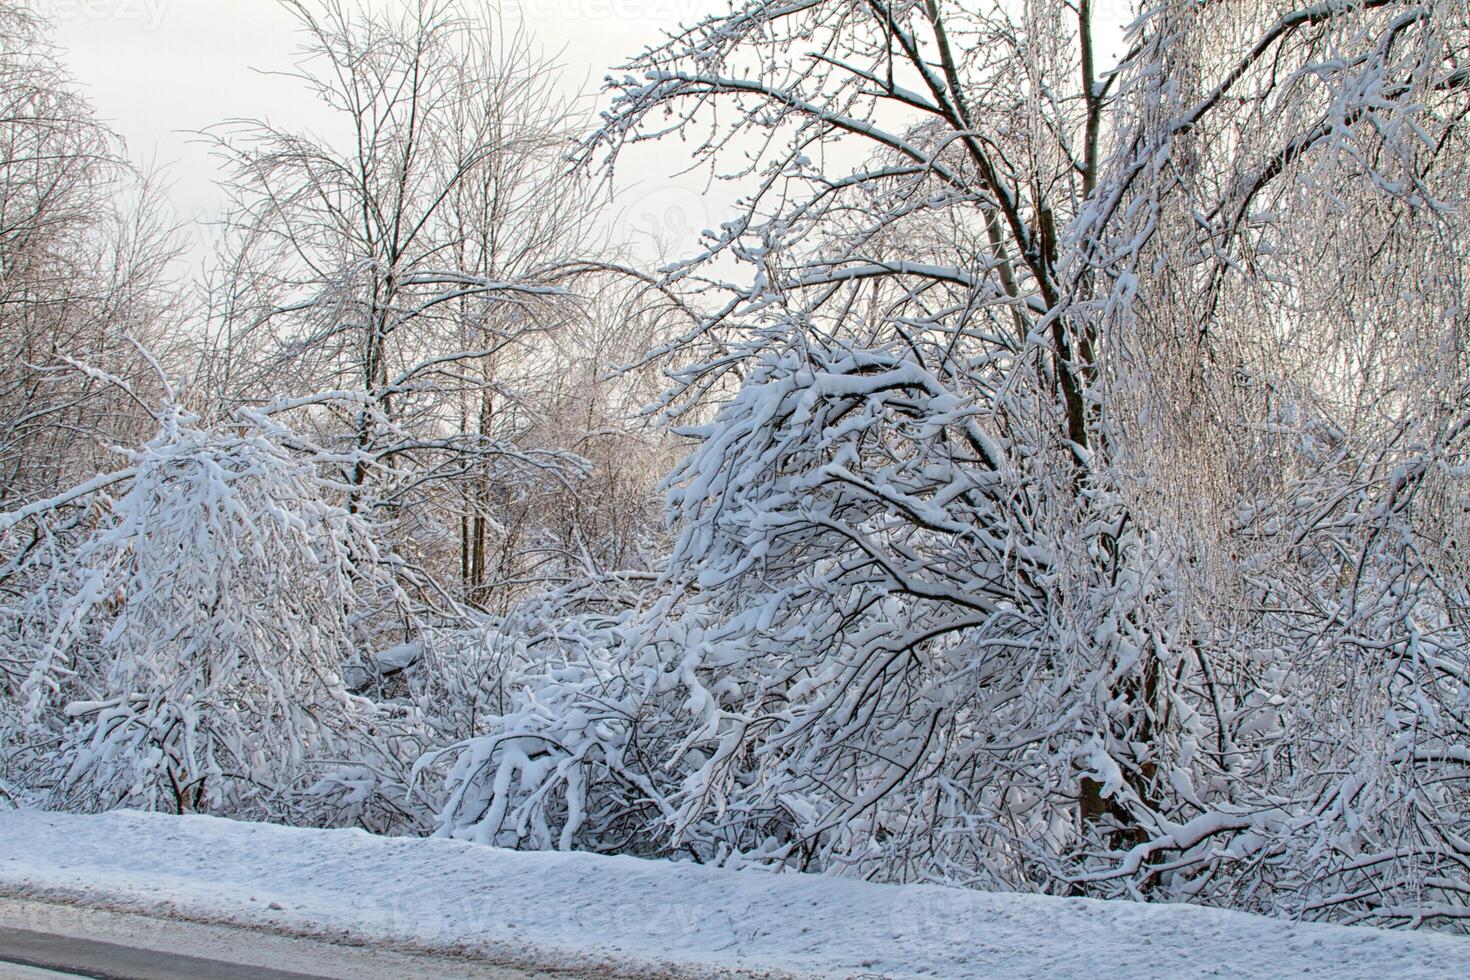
<point x="158" y="69"/>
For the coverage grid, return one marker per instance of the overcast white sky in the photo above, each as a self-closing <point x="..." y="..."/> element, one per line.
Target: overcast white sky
<point x="158" y="69"/>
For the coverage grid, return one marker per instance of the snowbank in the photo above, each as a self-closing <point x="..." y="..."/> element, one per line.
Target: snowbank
<point x="583" y="911"/>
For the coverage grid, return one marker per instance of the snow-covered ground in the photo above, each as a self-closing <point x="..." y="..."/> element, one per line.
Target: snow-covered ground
<point x="588" y="913"/>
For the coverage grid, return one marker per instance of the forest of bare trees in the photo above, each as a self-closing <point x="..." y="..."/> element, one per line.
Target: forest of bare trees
<point x="1052" y="475"/>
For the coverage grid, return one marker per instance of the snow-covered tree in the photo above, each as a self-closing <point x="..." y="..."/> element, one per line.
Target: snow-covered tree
<point x="189" y="655"/>
<point x="390" y="273"/>
<point x="84" y="249"/>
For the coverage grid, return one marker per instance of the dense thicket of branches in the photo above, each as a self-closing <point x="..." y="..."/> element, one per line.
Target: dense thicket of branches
<point x="1077" y="486"/>
<point x="249" y="551"/>
<point x="1082" y="505"/>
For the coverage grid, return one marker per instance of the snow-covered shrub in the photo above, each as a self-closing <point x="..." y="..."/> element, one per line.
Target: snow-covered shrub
<point x="852" y="624"/>
<point x="188" y="655"/>
<point x="574" y="741"/>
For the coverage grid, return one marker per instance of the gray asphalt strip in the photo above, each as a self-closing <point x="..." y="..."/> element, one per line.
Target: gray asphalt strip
<point x="40" y="939"/>
<point x="108" y="961"/>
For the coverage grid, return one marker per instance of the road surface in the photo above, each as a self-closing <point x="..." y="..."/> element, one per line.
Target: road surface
<point x="41" y="939"/>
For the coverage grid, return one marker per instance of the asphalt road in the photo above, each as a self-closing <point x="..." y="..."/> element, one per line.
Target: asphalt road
<point x="40" y="939"/>
<point x="70" y="956"/>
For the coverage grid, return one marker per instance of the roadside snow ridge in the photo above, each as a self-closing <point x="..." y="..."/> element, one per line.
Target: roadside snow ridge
<point x="638" y="917"/>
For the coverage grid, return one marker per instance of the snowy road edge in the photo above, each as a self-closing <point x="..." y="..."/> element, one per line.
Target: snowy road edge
<point x="528" y="956"/>
<point x="624" y="916"/>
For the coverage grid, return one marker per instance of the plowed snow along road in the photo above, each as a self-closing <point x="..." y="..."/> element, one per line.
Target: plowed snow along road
<point x="41" y="939"/>
<point x="593" y="916"/>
